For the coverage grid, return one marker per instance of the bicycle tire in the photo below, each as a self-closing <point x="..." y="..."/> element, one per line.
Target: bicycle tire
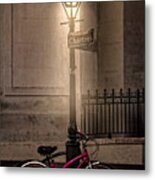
<point x="34" y="164"/>
<point x="101" y="165"/>
<point x="98" y="165"/>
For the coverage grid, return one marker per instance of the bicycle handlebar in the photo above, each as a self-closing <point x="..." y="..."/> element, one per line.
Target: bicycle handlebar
<point x="87" y="138"/>
<point x="82" y="136"/>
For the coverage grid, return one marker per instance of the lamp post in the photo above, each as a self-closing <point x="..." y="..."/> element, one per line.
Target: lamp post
<point x="72" y="145"/>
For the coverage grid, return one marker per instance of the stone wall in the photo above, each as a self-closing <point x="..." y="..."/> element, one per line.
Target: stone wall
<point x="128" y="151"/>
<point x="110" y="45"/>
<point x="34" y="79"/>
<point x="134" y="44"/>
<point x="89" y="58"/>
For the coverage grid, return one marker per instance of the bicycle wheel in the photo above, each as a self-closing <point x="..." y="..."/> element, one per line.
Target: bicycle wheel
<point x="100" y="165"/>
<point x="34" y="164"/>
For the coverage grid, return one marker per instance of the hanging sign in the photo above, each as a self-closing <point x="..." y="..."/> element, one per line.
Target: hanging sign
<point x="80" y="39"/>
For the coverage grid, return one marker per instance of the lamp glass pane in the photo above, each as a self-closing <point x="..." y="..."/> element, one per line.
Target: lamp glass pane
<point x="71" y="8"/>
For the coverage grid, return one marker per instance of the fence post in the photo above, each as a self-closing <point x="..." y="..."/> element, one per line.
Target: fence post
<point x="113" y="111"/>
<point x="138" y="114"/>
<point x="109" y="121"/>
<point x="143" y="101"/>
<point x="97" y="130"/>
<point x="83" y="116"/>
<point x="101" y="117"/>
<point x="121" y="115"/>
<point x="129" y="111"/>
<point x="88" y="120"/>
<point x="105" y="111"/>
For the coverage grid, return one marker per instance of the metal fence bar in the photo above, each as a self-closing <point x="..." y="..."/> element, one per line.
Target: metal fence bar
<point x="89" y="122"/>
<point x="114" y="113"/>
<point x="138" y="115"/>
<point x="129" y="110"/>
<point x="97" y="109"/>
<point x="121" y="107"/>
<point x="101" y="118"/>
<point x="105" y="110"/>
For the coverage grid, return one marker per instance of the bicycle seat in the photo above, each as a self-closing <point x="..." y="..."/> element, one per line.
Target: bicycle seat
<point x="46" y="150"/>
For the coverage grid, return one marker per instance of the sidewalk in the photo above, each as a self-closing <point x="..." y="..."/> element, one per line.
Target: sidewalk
<point x="113" y="166"/>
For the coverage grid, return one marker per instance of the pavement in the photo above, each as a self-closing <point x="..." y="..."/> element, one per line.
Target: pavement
<point x="113" y="166"/>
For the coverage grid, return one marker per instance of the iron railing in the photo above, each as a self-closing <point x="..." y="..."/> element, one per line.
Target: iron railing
<point x="111" y="114"/>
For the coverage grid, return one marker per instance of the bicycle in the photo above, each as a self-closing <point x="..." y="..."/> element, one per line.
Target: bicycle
<point x="82" y="160"/>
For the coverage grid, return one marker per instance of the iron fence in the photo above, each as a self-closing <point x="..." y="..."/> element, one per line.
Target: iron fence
<point x="107" y="114"/>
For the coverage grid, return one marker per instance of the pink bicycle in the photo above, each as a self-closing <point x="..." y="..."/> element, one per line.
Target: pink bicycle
<point x="82" y="160"/>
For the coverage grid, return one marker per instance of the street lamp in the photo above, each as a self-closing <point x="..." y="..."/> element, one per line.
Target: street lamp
<point x="72" y="145"/>
<point x="71" y="9"/>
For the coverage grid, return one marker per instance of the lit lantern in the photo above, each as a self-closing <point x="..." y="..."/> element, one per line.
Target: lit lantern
<point x="71" y="9"/>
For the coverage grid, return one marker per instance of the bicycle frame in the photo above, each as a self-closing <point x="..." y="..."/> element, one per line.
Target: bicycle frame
<point x="83" y="157"/>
